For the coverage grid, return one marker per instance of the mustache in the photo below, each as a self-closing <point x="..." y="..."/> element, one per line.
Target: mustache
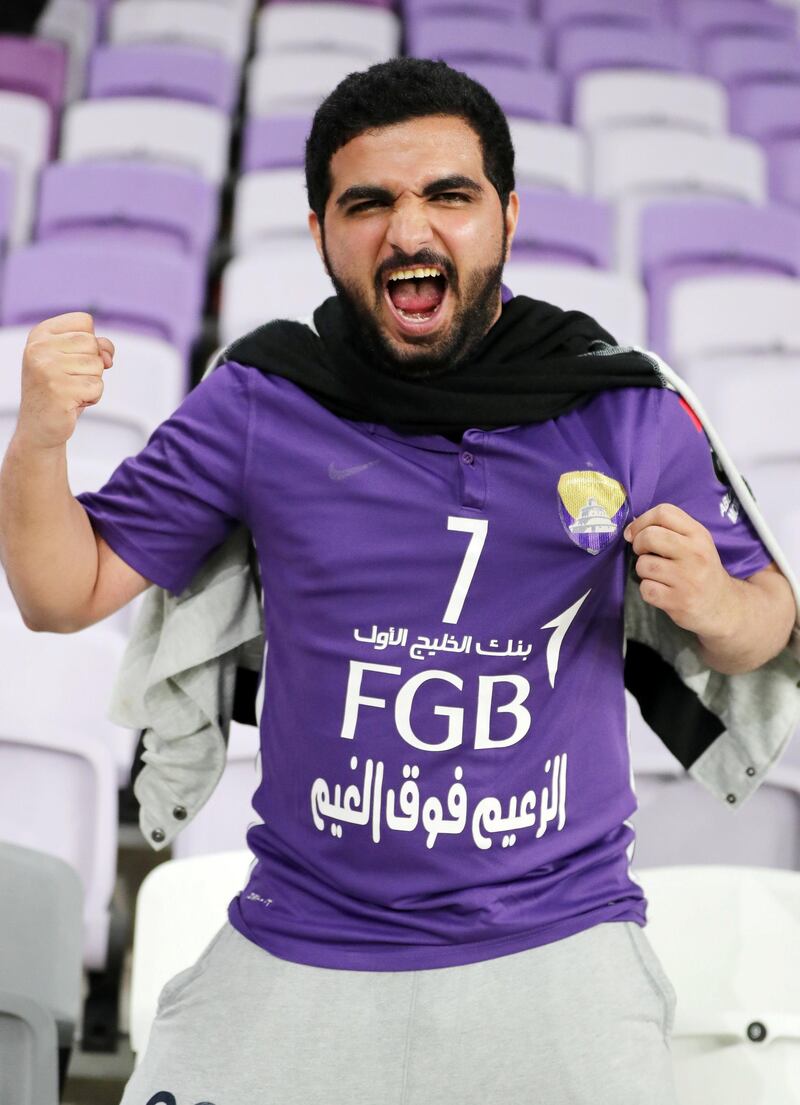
<point x="425" y="258"/>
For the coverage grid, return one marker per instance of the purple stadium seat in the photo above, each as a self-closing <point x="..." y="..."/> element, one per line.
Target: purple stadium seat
<point x="707" y="18"/>
<point x="738" y="59"/>
<point x="6" y="199"/>
<point x="559" y="14"/>
<point x="559" y="226"/>
<point x="35" y="67"/>
<point x="581" y="49"/>
<point x="129" y="202"/>
<point x="525" y="93"/>
<point x="688" y="238"/>
<point x="464" y="38"/>
<point x="766" y="112"/>
<point x="158" y="69"/>
<point x="146" y="290"/>
<point x="784" y="171"/>
<point x="275" y="142"/>
<point x="505" y="9"/>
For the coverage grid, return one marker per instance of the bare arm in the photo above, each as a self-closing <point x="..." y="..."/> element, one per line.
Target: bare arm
<point x="740" y="623"/>
<point x="63" y="577"/>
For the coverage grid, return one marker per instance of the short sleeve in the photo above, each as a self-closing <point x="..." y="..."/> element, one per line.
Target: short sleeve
<point x="165" y="509"/>
<point x="687" y="478"/>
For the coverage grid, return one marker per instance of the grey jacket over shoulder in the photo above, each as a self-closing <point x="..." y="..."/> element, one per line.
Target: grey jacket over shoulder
<point x="178" y="676"/>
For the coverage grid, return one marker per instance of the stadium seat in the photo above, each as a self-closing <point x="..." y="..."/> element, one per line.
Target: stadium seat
<point x="784" y="171"/>
<point x="617" y="302"/>
<point x="270" y="204"/>
<point x="138" y="288"/>
<point x="287" y="281"/>
<point x="28" y="1051"/>
<point x="504" y="9"/>
<point x="6" y="201"/>
<point x="767" y="111"/>
<point x="295" y="82"/>
<point x="53" y="730"/>
<point x="24" y="142"/>
<point x="354" y="28"/>
<point x="75" y="24"/>
<point x="563" y="227"/>
<point x="773" y="482"/>
<point x="41" y="938"/>
<point x="35" y="67"/>
<point x="181" y="906"/>
<point x="171" y="132"/>
<point x="708" y="18"/>
<point x="275" y="142"/>
<point x="548" y="155"/>
<point x="464" y="38"/>
<point x="222" y="823"/>
<point x="725" y="937"/>
<point x="623" y="98"/>
<point x="738" y="60"/>
<point x="685" y="238"/>
<point x="521" y="93"/>
<point x="582" y="49"/>
<point x="558" y="14"/>
<point x="171" y="70"/>
<point x="132" y="202"/>
<point x="221" y="27"/>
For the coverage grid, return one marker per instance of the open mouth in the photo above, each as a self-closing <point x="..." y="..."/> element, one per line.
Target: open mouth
<point x="416" y="296"/>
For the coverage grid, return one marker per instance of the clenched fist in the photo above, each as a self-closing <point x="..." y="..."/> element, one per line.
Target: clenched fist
<point x="62" y="373"/>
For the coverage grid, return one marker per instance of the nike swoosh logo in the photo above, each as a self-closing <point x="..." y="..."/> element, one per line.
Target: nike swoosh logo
<point x="343" y="473"/>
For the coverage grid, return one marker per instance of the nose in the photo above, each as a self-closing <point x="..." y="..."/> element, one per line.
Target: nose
<point x="409" y="227"/>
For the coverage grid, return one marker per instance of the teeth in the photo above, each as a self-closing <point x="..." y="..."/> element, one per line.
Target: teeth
<point x="414" y="274"/>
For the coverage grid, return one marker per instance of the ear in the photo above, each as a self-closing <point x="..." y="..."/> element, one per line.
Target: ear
<point x="511" y="216"/>
<point x="316" y="233"/>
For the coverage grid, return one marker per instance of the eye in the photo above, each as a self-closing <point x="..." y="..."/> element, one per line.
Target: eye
<point x="453" y="197"/>
<point x="364" y="205"/>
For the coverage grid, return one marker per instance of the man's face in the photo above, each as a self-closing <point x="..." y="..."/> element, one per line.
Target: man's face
<point x="415" y="240"/>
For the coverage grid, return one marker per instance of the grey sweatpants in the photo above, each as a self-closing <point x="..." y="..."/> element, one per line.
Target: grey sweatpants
<point x="583" y="1021"/>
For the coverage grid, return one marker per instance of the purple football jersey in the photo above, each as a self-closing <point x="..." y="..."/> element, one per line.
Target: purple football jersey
<point x="446" y="774"/>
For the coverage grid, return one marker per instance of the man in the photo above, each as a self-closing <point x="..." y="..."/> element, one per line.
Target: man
<point x="442" y="489"/>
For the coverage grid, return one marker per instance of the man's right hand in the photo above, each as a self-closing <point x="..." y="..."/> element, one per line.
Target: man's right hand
<point x="62" y="373"/>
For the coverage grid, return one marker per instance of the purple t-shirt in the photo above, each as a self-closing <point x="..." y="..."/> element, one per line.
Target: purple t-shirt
<point x="446" y="773"/>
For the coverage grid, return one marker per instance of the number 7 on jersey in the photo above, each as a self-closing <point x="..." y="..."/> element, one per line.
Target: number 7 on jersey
<point x="476" y="528"/>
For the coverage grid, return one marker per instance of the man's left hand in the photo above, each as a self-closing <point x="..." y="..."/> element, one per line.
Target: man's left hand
<point x="680" y="569"/>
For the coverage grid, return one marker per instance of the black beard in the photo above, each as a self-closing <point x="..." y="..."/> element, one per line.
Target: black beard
<point x="472" y="320"/>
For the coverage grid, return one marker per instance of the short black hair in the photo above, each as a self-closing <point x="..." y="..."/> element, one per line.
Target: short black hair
<point x="393" y="92"/>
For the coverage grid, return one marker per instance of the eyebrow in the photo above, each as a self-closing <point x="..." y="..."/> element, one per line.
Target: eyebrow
<point x="374" y="192"/>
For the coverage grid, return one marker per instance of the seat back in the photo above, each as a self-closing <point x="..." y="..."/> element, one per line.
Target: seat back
<point x="295" y="82"/>
<point x="580" y="49"/>
<point x="766" y="111"/>
<point x="620" y="98"/>
<point x="180" y="907"/>
<point x="28" y="1052"/>
<point x="547" y="155"/>
<point x="563" y="227"/>
<point x="463" y="38"/>
<point x="737" y="59"/>
<point x="221" y="27"/>
<point x="24" y="146"/>
<point x="269" y="204"/>
<point x="184" y="72"/>
<point x="521" y="92"/>
<point x="372" y="31"/>
<point x="275" y="142"/>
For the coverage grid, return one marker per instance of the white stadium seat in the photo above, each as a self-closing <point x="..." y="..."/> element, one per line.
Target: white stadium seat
<point x="637" y="97"/>
<point x="356" y="28"/>
<point x="269" y="204"/>
<point x="194" y="136"/>
<point x="73" y="22"/>
<point x="24" y="137"/>
<point x="294" y="81"/>
<point x="617" y="302"/>
<point x="213" y="26"/>
<point x="279" y="281"/>
<point x="549" y="155"/>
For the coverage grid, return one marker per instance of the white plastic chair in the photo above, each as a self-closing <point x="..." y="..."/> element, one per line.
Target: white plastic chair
<point x="73" y="22"/>
<point x="214" y="26"/>
<point x="269" y="204"/>
<point x="616" y="302"/>
<point x="181" y="905"/>
<point x="372" y="32"/>
<point x="549" y="155"/>
<point x="175" y="132"/>
<point x="222" y="823"/>
<point x="727" y="938"/>
<point x="279" y="281"/>
<point x="638" y="97"/>
<point x="294" y="81"/>
<point x="59" y="764"/>
<point x="24" y="140"/>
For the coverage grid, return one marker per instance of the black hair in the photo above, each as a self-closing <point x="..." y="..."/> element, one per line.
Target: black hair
<point x="393" y="92"/>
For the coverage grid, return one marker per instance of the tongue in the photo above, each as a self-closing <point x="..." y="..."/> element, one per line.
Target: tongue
<point x="414" y="296"/>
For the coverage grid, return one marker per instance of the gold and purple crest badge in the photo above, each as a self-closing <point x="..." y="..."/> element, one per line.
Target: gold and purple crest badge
<point x="592" y="507"/>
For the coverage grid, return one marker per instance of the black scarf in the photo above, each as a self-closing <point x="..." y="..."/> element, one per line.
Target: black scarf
<point x="532" y="365"/>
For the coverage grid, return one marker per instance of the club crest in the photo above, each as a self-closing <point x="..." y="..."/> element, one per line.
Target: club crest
<point x="592" y="508"/>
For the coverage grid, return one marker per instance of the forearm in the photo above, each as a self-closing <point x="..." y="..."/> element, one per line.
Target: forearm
<point x="756" y="622"/>
<point x="47" y="545"/>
